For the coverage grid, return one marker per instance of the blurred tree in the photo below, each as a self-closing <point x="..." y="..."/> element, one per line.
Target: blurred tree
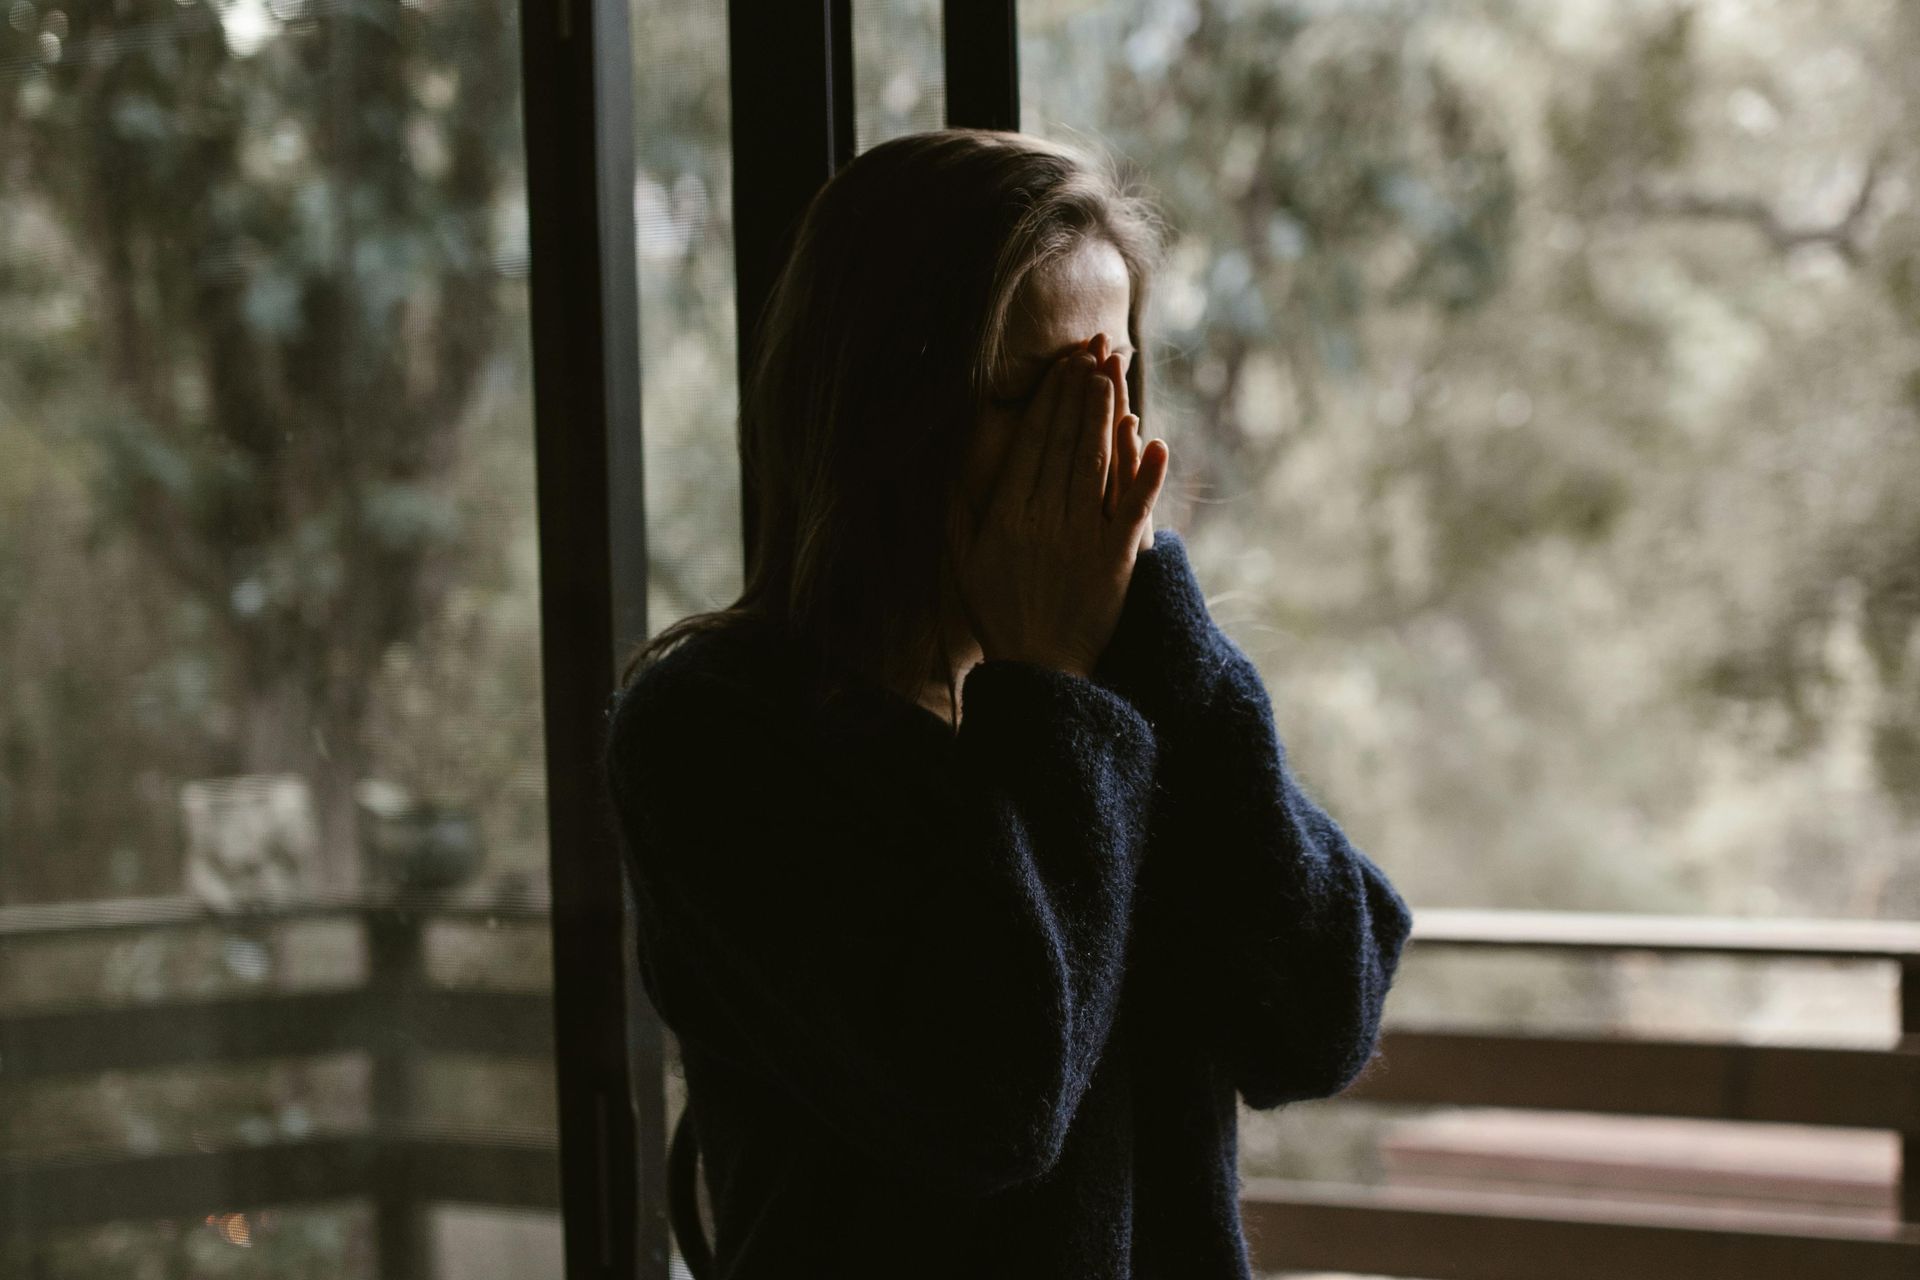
<point x="1540" y="383"/>
<point x="289" y="251"/>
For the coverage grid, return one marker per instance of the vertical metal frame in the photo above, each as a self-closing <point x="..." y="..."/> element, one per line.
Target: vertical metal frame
<point x="790" y="78"/>
<point x="577" y="77"/>
<point x="982" y="51"/>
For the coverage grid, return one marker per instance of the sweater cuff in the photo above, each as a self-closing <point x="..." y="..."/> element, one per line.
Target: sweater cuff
<point x="1166" y="654"/>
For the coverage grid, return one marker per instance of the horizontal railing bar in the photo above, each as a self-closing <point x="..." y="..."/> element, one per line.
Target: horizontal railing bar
<point x="185" y="1184"/>
<point x="76" y="1041"/>
<point x="474" y="1167"/>
<point x="462" y="1171"/>
<point x="1471" y="1235"/>
<point x="1433" y="926"/>
<point x="454" y="1133"/>
<point x="497" y="1024"/>
<point x="40" y="920"/>
<point x="144" y="1037"/>
<point x="1865" y="1088"/>
<point x="1781" y="938"/>
<point x="1707" y="1080"/>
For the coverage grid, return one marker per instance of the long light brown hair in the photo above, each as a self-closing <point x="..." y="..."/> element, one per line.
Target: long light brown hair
<point x="880" y="341"/>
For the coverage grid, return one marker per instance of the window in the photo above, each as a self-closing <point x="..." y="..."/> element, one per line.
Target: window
<point x="269" y="605"/>
<point x="1541" y="387"/>
<point x="1540" y="384"/>
<point x="899" y="80"/>
<point x="683" y="205"/>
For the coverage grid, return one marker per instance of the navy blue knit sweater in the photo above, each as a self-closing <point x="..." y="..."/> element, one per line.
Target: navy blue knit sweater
<point x="978" y="1002"/>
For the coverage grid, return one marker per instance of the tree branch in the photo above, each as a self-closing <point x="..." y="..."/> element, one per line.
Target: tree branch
<point x="1843" y="235"/>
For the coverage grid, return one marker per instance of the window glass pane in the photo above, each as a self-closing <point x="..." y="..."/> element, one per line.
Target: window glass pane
<point x="1536" y="390"/>
<point x="899" y="80"/>
<point x="269" y="625"/>
<point x="1541" y="389"/>
<point x="690" y="393"/>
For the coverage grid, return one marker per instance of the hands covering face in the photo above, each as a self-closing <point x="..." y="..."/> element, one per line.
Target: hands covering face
<point x="1045" y="560"/>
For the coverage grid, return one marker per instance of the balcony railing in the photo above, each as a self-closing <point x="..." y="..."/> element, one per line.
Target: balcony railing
<point x="1497" y="1235"/>
<point x="396" y="1016"/>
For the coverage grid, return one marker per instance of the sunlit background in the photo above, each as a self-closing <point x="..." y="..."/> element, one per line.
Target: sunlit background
<point x="1543" y="385"/>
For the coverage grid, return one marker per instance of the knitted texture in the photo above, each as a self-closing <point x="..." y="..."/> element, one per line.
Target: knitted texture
<point x="979" y="1002"/>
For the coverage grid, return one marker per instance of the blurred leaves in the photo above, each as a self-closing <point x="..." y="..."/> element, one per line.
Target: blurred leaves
<point x="276" y="230"/>
<point x="1540" y="373"/>
<point x="1539" y="379"/>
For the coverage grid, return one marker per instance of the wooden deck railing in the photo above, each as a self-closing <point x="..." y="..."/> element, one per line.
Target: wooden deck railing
<point x="396" y="1017"/>
<point x="1441" y="1234"/>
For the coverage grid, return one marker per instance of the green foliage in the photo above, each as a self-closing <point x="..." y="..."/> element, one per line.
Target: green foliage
<point x="290" y="281"/>
<point x="1542" y="422"/>
<point x="1537" y="426"/>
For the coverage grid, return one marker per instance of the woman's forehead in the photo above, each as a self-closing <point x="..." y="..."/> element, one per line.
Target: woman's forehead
<point x="1067" y="301"/>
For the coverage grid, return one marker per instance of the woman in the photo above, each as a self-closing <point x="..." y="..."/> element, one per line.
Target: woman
<point x="969" y="871"/>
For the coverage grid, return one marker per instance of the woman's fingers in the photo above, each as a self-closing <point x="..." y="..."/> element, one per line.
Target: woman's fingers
<point x="1063" y="435"/>
<point x="1116" y="473"/>
<point x="1137" y="505"/>
<point x="1075" y="447"/>
<point x="1125" y="452"/>
<point x="1088" y="480"/>
<point x="1020" y="470"/>
<point x="1126" y="459"/>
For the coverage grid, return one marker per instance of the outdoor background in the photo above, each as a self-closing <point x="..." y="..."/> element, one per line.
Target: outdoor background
<point x="1543" y="385"/>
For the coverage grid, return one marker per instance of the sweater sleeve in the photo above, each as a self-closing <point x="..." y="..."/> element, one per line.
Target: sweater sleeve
<point x="919" y="936"/>
<point x="1278" y="936"/>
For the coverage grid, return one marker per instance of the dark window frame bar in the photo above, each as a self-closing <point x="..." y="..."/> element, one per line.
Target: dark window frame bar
<point x="608" y="1045"/>
<point x="790" y="94"/>
<point x="982" y="58"/>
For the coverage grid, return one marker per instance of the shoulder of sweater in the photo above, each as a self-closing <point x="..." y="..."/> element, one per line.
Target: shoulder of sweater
<point x="702" y="682"/>
<point x="742" y="653"/>
<point x="755" y="677"/>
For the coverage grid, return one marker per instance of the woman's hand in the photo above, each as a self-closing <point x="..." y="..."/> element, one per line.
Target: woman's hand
<point x="1045" y="571"/>
<point x="1127" y="444"/>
